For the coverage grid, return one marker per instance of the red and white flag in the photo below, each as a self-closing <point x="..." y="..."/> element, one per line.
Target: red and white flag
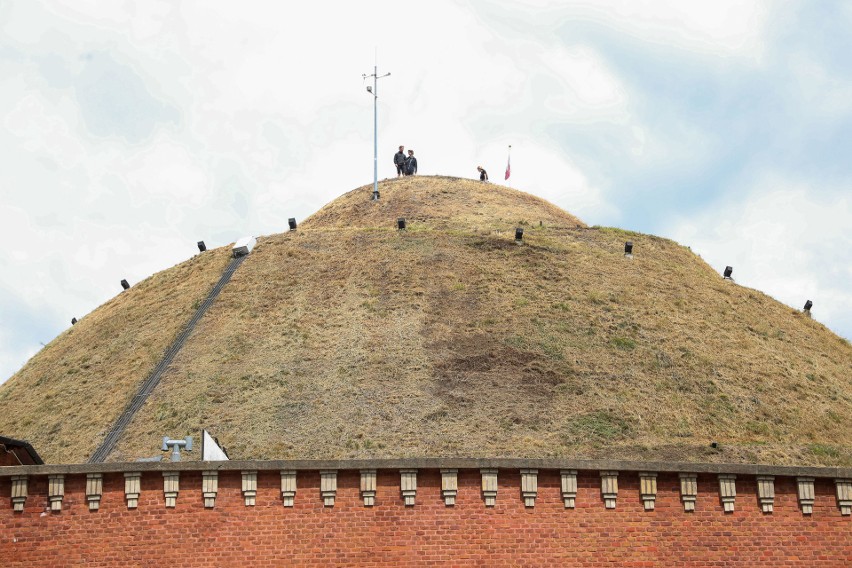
<point x="509" y="164"/>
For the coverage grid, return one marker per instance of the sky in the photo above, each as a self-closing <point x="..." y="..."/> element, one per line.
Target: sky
<point x="131" y="130"/>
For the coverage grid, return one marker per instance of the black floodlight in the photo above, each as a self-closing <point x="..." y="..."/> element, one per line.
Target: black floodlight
<point x="73" y="321"/>
<point x="124" y="284"/>
<point x="519" y="234"/>
<point x="201" y="246"/>
<point x="808" y="305"/>
<point x="628" y="248"/>
<point x="292" y="222"/>
<point x="728" y="271"/>
<point x="375" y="195"/>
<point x="400" y="223"/>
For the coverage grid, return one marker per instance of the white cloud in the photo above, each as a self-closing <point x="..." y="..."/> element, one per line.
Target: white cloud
<point x="255" y="112"/>
<point x="719" y="27"/>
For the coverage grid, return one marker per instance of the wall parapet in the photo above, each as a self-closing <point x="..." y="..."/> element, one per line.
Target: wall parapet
<point x="436" y="463"/>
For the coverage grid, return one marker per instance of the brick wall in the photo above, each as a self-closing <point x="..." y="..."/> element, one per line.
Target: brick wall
<point x="426" y="534"/>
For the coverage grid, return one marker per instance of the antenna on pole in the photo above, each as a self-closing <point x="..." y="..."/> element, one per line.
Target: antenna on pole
<point x="374" y="90"/>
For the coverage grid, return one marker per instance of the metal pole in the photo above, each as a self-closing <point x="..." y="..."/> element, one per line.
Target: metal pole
<point x="375" y="132"/>
<point x="374" y="91"/>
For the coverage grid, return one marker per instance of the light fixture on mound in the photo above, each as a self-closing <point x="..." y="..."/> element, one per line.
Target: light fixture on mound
<point x="73" y="321"/>
<point x="201" y="246"/>
<point x="519" y="235"/>
<point x="400" y="223"/>
<point x="628" y="249"/>
<point x="125" y="284"/>
<point x="728" y="271"/>
<point x="808" y="306"/>
<point x="292" y="223"/>
<point x="374" y="90"/>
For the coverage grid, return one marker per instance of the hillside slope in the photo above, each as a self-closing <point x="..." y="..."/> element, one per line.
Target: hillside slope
<point x="348" y="338"/>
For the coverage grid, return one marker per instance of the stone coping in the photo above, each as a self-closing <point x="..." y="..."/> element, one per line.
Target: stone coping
<point x="433" y="463"/>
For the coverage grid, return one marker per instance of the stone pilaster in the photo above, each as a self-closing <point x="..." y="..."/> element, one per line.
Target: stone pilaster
<point x="449" y="486"/>
<point x="688" y="490"/>
<point x="648" y="489"/>
<point x="609" y="488"/>
<point x="728" y="491"/>
<point x="249" y="487"/>
<point x="132" y="488"/>
<point x="844" y="495"/>
<point x="529" y="486"/>
<point x="94" y="490"/>
<point x="408" y="485"/>
<point x="209" y="487"/>
<point x="766" y="492"/>
<point x="19" y="492"/>
<point x="489" y="486"/>
<point x="569" y="487"/>
<point x="368" y="487"/>
<point x="56" y="491"/>
<point x="288" y="487"/>
<point x="806" y="494"/>
<point x="171" y="487"/>
<point x="328" y="486"/>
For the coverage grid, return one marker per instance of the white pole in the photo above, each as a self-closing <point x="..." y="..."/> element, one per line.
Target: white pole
<point x="375" y="92"/>
<point x="375" y="132"/>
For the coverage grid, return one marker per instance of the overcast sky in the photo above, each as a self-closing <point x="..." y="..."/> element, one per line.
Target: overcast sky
<point x="131" y="130"/>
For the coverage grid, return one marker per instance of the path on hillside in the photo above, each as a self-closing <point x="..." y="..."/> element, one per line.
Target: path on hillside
<point x="148" y="386"/>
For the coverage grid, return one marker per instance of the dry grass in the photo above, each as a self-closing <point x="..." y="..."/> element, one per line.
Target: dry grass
<point x="67" y="396"/>
<point x="351" y="339"/>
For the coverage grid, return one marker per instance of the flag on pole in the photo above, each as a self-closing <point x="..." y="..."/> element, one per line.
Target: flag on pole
<point x="509" y="163"/>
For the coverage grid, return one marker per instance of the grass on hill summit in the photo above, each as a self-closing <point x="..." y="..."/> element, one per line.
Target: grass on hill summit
<point x="350" y="339"/>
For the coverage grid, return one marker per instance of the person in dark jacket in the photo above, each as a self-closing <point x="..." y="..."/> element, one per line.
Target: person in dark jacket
<point x="410" y="164"/>
<point x="399" y="161"/>
<point x="483" y="175"/>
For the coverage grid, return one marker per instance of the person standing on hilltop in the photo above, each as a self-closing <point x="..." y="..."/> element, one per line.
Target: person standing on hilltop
<point x="399" y="161"/>
<point x="483" y="175"/>
<point x="410" y="164"/>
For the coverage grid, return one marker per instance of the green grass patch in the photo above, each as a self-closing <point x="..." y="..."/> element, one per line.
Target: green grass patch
<point x="624" y="343"/>
<point x="597" y="427"/>
<point x="824" y="451"/>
